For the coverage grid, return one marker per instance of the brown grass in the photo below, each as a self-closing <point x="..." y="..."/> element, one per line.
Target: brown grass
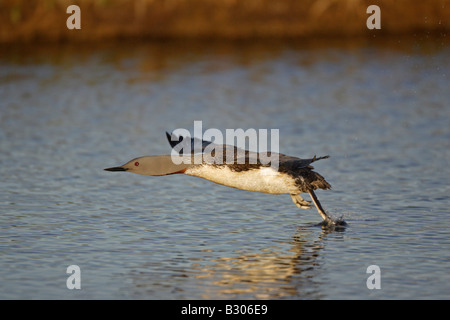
<point x="34" y="20"/>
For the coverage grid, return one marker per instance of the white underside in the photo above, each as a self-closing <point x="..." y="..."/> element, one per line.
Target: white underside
<point x="265" y="180"/>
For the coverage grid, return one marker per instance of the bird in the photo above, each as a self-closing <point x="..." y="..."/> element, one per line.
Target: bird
<point x="245" y="171"/>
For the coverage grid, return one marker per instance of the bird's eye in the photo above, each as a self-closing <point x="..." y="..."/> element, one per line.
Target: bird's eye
<point x="136" y="164"/>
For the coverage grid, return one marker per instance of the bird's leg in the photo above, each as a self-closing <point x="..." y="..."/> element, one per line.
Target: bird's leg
<point x="300" y="202"/>
<point x="322" y="213"/>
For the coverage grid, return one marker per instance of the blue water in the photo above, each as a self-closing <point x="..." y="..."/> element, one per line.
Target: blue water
<point x="381" y="110"/>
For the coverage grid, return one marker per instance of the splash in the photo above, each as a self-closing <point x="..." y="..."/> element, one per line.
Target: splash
<point x="334" y="223"/>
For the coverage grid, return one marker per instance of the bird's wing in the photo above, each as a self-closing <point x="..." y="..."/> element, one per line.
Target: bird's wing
<point x="180" y="144"/>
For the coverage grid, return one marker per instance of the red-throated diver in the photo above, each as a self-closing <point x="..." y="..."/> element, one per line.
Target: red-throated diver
<point x="293" y="176"/>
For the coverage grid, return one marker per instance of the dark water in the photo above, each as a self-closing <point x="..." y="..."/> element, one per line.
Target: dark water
<point x="381" y="110"/>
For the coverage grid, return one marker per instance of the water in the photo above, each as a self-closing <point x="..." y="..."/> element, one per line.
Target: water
<point x="381" y="110"/>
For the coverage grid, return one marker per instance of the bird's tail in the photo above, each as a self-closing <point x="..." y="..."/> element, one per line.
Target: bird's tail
<point x="311" y="180"/>
<point x="319" y="182"/>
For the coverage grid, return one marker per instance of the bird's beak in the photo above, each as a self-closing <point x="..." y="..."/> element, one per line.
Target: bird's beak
<point x="116" y="169"/>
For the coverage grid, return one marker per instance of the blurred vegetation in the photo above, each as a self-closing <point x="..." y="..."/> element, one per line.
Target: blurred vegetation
<point x="45" y="20"/>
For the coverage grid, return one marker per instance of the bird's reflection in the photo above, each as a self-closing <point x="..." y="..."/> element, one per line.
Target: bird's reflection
<point x="269" y="273"/>
<point x="286" y="269"/>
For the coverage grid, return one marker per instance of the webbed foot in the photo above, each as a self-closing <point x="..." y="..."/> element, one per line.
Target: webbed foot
<point x="300" y="202"/>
